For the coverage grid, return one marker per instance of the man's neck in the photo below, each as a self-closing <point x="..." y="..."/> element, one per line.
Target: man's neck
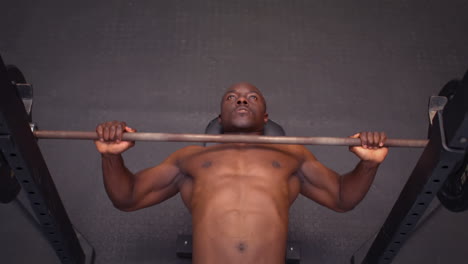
<point x="245" y="133"/>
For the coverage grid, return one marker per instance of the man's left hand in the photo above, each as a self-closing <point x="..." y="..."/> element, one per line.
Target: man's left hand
<point x="372" y="146"/>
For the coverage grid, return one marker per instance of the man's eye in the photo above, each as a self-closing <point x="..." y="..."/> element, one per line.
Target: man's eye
<point x="230" y="97"/>
<point x="253" y="97"/>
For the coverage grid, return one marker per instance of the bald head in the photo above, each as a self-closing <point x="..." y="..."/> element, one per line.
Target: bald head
<point x="243" y="109"/>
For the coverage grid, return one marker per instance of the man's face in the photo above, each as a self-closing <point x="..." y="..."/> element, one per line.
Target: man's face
<point x="243" y="109"/>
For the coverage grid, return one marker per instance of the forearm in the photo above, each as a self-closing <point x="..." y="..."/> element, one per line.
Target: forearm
<point x="355" y="184"/>
<point x="118" y="180"/>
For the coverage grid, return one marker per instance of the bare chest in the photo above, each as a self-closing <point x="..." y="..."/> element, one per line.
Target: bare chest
<point x="241" y="161"/>
<point x="229" y="177"/>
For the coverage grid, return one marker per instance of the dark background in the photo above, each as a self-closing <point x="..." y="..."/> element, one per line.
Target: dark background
<point x="327" y="68"/>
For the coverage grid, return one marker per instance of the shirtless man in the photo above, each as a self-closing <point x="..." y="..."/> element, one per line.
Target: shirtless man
<point x="238" y="194"/>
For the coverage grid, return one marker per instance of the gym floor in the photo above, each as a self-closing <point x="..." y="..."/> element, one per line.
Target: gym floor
<point x="327" y="68"/>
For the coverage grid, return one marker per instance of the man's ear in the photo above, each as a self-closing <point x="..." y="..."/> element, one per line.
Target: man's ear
<point x="265" y="118"/>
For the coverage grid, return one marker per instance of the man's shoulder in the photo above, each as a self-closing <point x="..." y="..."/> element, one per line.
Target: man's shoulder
<point x="297" y="149"/>
<point x="188" y="150"/>
<point x="300" y="151"/>
<point x="181" y="154"/>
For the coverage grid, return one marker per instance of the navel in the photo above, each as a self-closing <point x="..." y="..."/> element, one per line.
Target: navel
<point x="242" y="247"/>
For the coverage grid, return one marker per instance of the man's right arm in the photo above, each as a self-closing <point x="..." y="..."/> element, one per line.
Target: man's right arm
<point x="128" y="191"/>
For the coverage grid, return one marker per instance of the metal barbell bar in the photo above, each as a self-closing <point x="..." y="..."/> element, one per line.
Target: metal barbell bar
<point x="227" y="138"/>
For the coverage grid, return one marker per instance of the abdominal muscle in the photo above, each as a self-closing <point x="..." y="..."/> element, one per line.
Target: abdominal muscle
<point x="239" y="224"/>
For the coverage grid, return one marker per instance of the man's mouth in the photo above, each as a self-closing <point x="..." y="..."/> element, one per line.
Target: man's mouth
<point x="242" y="110"/>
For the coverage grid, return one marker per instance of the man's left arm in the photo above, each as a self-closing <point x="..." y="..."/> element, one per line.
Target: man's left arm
<point x="343" y="193"/>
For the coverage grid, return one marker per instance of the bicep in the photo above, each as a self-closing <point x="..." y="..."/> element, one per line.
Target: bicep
<point x="156" y="184"/>
<point x="320" y="183"/>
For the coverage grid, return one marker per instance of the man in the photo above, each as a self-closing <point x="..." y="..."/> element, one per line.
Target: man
<point x="238" y="194"/>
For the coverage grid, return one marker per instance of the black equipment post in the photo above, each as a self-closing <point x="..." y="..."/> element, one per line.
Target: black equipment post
<point x="21" y="152"/>
<point x="444" y="155"/>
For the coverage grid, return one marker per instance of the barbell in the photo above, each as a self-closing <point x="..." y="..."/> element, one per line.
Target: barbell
<point x="226" y="138"/>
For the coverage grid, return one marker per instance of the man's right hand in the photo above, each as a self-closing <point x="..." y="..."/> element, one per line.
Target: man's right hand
<point x="110" y="138"/>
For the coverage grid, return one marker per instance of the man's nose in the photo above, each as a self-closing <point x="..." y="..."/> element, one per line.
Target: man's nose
<point x="242" y="101"/>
